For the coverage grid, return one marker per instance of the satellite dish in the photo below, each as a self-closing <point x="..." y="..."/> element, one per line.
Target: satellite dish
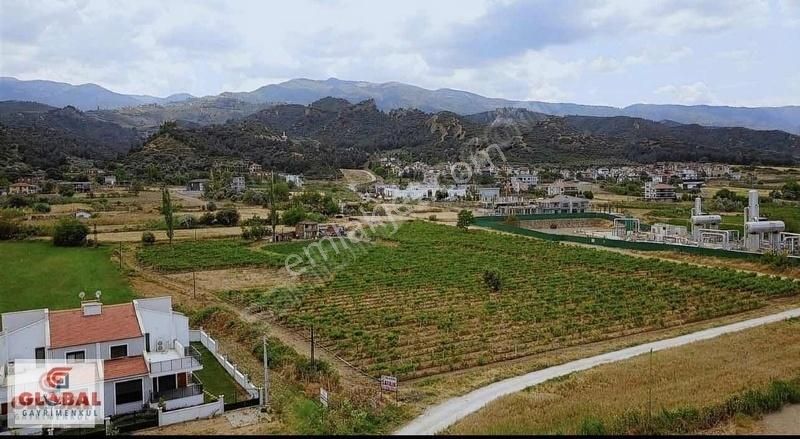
<point x="81" y="295"/>
<point x="97" y="294"/>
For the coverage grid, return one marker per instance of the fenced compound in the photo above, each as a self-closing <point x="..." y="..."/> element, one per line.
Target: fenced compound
<point x="253" y="392"/>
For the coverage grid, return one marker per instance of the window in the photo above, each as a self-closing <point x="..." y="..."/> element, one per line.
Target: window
<point x="129" y="391"/>
<point x="76" y="356"/>
<point x="147" y="342"/>
<point x="39" y="353"/>
<point x="119" y="351"/>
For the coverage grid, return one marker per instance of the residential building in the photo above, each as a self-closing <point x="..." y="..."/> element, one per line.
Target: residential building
<point x="255" y="169"/>
<point x="23" y="189"/>
<point x="297" y="180"/>
<point x="144" y="347"/>
<point x="488" y="194"/>
<point x="658" y="191"/>
<point x="110" y="180"/>
<point x="238" y="184"/>
<point x="563" y="204"/>
<point x="306" y="230"/>
<point x="198" y="185"/>
<point x="692" y="185"/>
<point x="77" y="186"/>
<point x="562" y="187"/>
<point x="523" y="182"/>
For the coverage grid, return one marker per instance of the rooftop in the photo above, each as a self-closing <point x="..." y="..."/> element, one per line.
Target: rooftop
<point x="72" y="328"/>
<point x="124" y="367"/>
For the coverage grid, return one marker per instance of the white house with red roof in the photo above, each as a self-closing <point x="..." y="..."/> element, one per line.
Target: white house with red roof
<point x="144" y="346"/>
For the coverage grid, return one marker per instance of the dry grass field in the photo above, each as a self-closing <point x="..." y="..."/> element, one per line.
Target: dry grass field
<point x="696" y="375"/>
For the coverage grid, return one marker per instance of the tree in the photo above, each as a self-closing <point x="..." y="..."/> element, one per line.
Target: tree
<point x="227" y="216"/>
<point x="166" y="210"/>
<point x="293" y="216"/>
<point x="66" y="190"/>
<point x="69" y="232"/>
<point x="588" y="195"/>
<point x="465" y="219"/>
<point x="135" y="188"/>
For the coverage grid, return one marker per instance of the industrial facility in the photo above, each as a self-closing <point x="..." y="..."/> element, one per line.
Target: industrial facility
<point x="760" y="234"/>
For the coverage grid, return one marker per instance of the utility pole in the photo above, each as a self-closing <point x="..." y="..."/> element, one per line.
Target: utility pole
<point x="194" y="285"/>
<point x="313" y="364"/>
<point x="650" y="395"/>
<point x="266" y="373"/>
<point x="272" y="217"/>
<point x="120" y="255"/>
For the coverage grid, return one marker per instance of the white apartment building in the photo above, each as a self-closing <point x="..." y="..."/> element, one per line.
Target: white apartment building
<point x="144" y="346"/>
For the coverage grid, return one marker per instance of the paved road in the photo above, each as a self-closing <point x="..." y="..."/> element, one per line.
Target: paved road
<point x="441" y="416"/>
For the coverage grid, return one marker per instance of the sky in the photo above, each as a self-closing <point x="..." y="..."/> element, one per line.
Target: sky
<point x="602" y="52"/>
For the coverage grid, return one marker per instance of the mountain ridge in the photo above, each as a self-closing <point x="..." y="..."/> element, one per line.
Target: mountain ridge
<point x="393" y="94"/>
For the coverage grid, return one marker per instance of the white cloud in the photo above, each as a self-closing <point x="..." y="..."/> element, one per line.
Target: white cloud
<point x="696" y="93"/>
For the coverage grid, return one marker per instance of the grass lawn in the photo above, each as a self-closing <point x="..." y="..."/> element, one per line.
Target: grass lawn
<point x="38" y="275"/>
<point x="215" y="379"/>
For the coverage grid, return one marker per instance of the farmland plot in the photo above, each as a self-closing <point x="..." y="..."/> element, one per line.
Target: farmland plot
<point x="420" y="306"/>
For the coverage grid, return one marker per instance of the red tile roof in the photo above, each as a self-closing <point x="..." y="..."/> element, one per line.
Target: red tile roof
<point x="124" y="367"/>
<point x="72" y="328"/>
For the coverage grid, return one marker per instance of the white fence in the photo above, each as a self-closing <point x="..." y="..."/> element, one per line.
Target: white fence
<point x="191" y="413"/>
<point x="213" y="347"/>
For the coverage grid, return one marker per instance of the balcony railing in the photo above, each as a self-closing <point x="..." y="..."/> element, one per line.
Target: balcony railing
<point x="190" y="360"/>
<point x="181" y="392"/>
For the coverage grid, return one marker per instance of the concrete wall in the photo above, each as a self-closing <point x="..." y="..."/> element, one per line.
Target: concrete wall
<point x="191" y="413"/>
<point x="22" y="342"/>
<point x="189" y="401"/>
<point x="109" y="392"/>
<point x="158" y="319"/>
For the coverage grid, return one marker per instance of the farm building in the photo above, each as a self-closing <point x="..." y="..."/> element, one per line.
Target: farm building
<point x="82" y="214"/>
<point x="144" y="348"/>
<point x="306" y="230"/>
<point x="198" y="185"/>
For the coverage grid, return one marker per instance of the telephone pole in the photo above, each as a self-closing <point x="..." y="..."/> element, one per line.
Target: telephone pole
<point x="266" y="373"/>
<point x="272" y="217"/>
<point x="313" y="364"/>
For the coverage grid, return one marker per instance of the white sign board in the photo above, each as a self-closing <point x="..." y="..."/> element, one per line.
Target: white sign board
<point x="49" y="394"/>
<point x="323" y="397"/>
<point x="388" y="383"/>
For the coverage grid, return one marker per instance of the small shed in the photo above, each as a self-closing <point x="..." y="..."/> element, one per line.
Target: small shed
<point x="307" y="230"/>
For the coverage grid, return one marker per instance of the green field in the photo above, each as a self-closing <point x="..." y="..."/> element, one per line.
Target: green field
<point x="39" y="275"/>
<point x="416" y="304"/>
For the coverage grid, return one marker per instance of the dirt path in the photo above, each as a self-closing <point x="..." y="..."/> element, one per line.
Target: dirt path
<point x="354" y="177"/>
<point x="180" y="234"/>
<point x="786" y="421"/>
<point x="150" y="283"/>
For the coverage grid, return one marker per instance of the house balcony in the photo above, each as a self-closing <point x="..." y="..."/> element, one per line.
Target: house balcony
<point x="179" y="398"/>
<point x="181" y="359"/>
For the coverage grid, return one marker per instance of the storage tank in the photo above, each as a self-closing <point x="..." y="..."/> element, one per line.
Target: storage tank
<point x="764" y="226"/>
<point x="703" y="220"/>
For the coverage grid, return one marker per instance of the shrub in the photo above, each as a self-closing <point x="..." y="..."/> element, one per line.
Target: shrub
<point x="8" y="229"/>
<point x="227" y="216"/>
<point x="592" y="427"/>
<point x="432" y="218"/>
<point x="186" y="222"/>
<point x="66" y="191"/>
<point x="465" y="218"/>
<point x="148" y="238"/>
<point x="206" y="219"/>
<point x="41" y="207"/>
<point x="492" y="280"/>
<point x="379" y="211"/>
<point x="211" y="206"/>
<point x="70" y="232"/>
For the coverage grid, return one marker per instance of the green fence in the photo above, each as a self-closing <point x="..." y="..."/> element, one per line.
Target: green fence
<point x="497" y="223"/>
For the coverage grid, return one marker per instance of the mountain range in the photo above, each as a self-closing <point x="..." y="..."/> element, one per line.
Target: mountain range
<point x="387" y="96"/>
<point x="332" y="133"/>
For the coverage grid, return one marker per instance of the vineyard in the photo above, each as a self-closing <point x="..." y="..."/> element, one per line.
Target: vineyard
<point x="418" y="305"/>
<point x="227" y="253"/>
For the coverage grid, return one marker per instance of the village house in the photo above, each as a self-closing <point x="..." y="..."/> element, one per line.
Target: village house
<point x="110" y="180"/>
<point x="523" y="182"/>
<point x="197" y="185"/>
<point x="77" y="186"/>
<point x="563" y="204"/>
<point x="23" y="189"/>
<point x="144" y="347"/>
<point x="306" y="230"/>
